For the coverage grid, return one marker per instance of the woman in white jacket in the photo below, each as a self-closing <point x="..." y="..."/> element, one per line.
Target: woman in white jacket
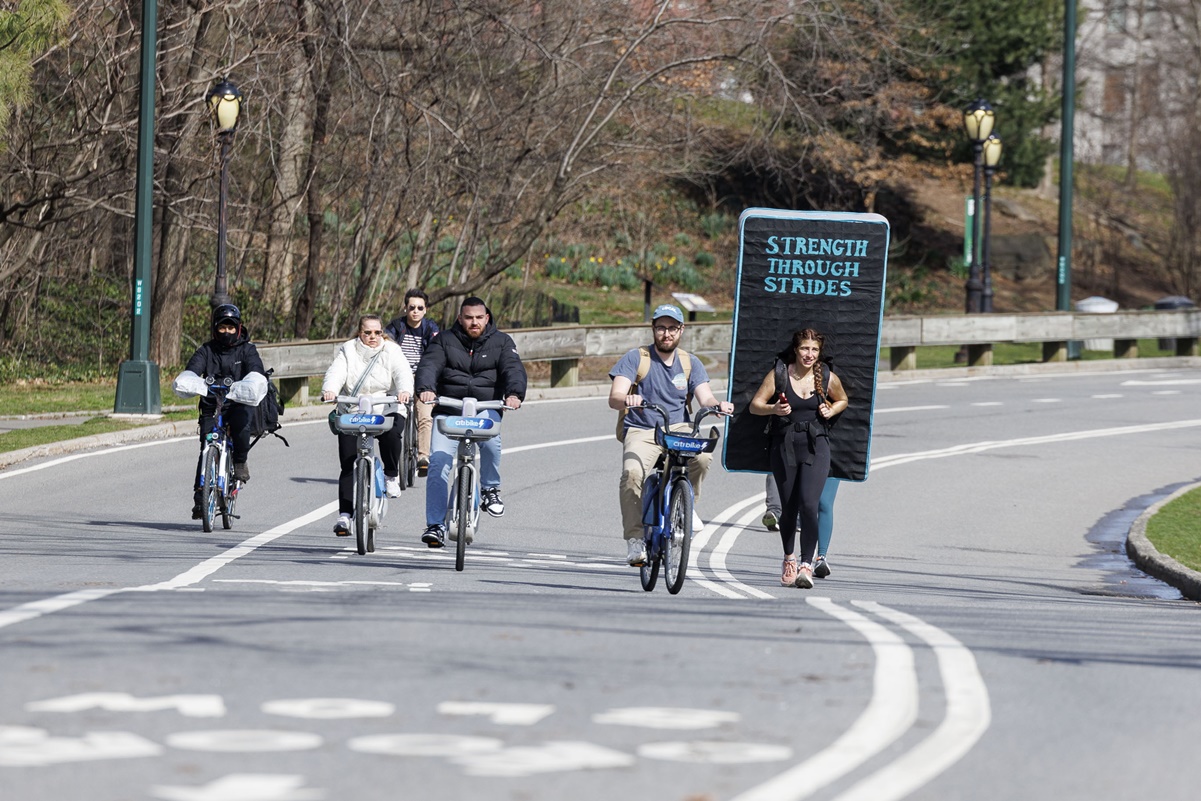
<point x="390" y="375"/>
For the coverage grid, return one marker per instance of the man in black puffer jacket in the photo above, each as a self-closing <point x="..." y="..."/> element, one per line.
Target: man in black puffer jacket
<point x="470" y="360"/>
<point x="229" y="354"/>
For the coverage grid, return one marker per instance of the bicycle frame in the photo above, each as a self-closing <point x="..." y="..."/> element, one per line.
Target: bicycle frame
<point x="370" y="498"/>
<point x="468" y="429"/>
<point x="218" y="486"/>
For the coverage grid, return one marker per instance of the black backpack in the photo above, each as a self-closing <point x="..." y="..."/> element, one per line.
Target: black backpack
<point x="266" y="414"/>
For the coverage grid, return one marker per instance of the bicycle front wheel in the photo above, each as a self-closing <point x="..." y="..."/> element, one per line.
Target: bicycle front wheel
<point x="362" y="503"/>
<point x="649" y="572"/>
<point x="410" y="450"/>
<point x="679" y="535"/>
<point x="463" y="524"/>
<point x="210" y="490"/>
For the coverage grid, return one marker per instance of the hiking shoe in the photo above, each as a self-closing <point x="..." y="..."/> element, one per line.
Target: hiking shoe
<point x="342" y="527"/>
<point x="770" y="521"/>
<point x="242" y="471"/>
<point x="434" y="536"/>
<point x="392" y="487"/>
<point x="490" y="501"/>
<point x="804" y="576"/>
<point x="822" y="568"/>
<point x="636" y="553"/>
<point x="423" y="466"/>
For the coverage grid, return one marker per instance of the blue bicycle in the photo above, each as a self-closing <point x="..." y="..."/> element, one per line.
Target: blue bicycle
<point x="218" y="487"/>
<point x="667" y="500"/>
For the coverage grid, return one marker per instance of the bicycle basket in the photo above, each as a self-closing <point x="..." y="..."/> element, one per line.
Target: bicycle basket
<point x="683" y="445"/>
<point x="463" y="427"/>
<point x="353" y="423"/>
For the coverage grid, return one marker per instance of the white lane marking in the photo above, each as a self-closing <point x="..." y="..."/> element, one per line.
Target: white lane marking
<point x="117" y="449"/>
<point x="952" y="384"/>
<point x="891" y="711"/>
<point x="35" y="609"/>
<point x="1047" y="400"/>
<point x="548" y="555"/>
<point x="665" y="717"/>
<point x="980" y="447"/>
<point x="711" y="753"/>
<point x="242" y="787"/>
<point x="328" y="708"/>
<point x="300" y="583"/>
<point x="1160" y="382"/>
<point x="701" y="538"/>
<point x="967" y="716"/>
<point x="1109" y="395"/>
<point x="541" y="445"/>
<point x="25" y="746"/>
<point x="911" y="409"/>
<point x="502" y="714"/>
<point x="717" y="559"/>
<point x="192" y="706"/>
<point x="236" y="741"/>
<point x="424" y="745"/>
<point x="552" y="757"/>
<point x="989" y="403"/>
<point x="1166" y="392"/>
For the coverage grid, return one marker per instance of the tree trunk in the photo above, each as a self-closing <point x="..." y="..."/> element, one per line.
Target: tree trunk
<point x="279" y="272"/>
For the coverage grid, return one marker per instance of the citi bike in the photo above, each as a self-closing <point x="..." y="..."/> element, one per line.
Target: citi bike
<point x="468" y="429"/>
<point x="218" y="487"/>
<point x="667" y="500"/>
<point x="370" y="495"/>
<point x="408" y="458"/>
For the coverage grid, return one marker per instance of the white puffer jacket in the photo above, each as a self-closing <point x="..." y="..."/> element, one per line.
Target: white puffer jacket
<point x="390" y="375"/>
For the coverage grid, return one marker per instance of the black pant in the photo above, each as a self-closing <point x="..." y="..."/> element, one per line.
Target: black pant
<point x="240" y="419"/>
<point x="800" y="492"/>
<point x="348" y="450"/>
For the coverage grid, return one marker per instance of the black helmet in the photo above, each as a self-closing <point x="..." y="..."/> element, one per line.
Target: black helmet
<point x="227" y="311"/>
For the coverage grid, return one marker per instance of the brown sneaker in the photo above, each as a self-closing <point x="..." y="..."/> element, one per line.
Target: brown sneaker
<point x="788" y="575"/>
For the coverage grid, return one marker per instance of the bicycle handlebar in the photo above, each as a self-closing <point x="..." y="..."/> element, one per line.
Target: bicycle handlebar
<point x="705" y="411"/>
<point x="480" y="405"/>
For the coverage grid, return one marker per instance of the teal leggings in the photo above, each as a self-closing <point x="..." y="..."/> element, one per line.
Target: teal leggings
<point x="825" y="509"/>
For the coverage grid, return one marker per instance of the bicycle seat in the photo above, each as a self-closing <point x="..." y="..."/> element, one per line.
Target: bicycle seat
<point x="475" y="427"/>
<point x="358" y="421"/>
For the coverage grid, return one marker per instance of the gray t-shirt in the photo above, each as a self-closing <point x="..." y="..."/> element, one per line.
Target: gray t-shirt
<point x="663" y="386"/>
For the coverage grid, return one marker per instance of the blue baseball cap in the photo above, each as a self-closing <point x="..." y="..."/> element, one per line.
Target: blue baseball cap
<point x="667" y="310"/>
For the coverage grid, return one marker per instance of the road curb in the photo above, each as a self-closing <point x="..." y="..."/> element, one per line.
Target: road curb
<point x="1152" y="562"/>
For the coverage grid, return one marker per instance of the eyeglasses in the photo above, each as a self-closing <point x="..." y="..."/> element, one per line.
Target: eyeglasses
<point x="416" y="308"/>
<point x="673" y="330"/>
<point x="375" y="333"/>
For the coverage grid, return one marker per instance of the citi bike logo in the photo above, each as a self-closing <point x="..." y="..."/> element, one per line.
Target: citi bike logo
<point x="476" y="423"/>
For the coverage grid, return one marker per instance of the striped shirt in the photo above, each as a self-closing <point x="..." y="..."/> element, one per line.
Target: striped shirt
<point x="412" y="345"/>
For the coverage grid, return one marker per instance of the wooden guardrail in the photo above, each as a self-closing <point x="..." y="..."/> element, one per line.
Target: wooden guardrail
<point x="564" y="346"/>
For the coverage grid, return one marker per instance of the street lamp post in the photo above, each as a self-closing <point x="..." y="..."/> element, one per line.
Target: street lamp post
<point x="978" y="122"/>
<point x="225" y="104"/>
<point x="992" y="157"/>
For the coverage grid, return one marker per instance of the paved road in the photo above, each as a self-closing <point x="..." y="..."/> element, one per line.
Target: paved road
<point x="981" y="635"/>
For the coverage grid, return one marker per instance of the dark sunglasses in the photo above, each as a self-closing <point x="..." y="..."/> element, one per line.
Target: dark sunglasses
<point x="416" y="308"/>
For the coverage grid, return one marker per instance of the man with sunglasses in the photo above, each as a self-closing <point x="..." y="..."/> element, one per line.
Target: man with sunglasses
<point x="666" y="382"/>
<point x="414" y="332"/>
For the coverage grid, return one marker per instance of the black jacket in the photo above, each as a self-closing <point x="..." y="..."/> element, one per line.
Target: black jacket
<point x="488" y="368"/>
<point x="211" y="360"/>
<point x="427" y="328"/>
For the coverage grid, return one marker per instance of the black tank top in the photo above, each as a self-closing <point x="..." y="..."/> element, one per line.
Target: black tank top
<point x="804" y="410"/>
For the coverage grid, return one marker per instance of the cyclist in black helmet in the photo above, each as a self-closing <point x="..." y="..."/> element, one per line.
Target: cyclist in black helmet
<point x="229" y="354"/>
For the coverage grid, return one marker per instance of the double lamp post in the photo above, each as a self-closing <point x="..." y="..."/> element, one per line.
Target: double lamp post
<point x="978" y="122"/>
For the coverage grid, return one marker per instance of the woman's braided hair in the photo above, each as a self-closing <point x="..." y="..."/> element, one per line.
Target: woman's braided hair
<point x="799" y="337"/>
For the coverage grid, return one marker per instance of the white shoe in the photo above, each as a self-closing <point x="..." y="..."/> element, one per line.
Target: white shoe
<point x="392" y="487"/>
<point x="636" y="553"/>
<point x="697" y="523"/>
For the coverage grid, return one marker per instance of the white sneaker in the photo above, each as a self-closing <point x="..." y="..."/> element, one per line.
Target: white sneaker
<point x="636" y="553"/>
<point x="392" y="487"/>
<point x="697" y="523"/>
<point x="342" y="527"/>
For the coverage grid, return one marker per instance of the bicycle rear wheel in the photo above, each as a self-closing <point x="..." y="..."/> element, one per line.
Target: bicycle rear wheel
<point x="210" y="490"/>
<point x="362" y="502"/>
<point x="463" y="524"/>
<point x="679" y="535"/>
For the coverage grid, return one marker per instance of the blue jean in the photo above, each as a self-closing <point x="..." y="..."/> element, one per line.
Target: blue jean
<point x="442" y="459"/>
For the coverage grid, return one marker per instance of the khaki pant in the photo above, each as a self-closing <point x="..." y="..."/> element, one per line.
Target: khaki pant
<point x="637" y="460"/>
<point x="425" y="423"/>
